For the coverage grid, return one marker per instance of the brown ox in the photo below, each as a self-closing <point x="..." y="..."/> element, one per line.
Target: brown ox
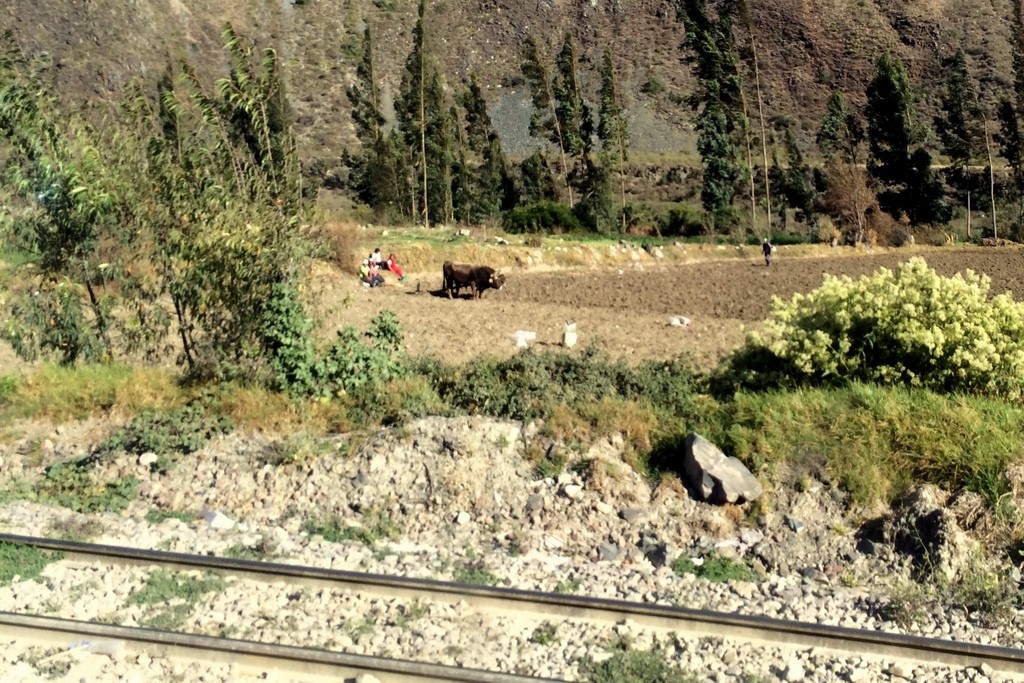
<point x="477" y="278"/>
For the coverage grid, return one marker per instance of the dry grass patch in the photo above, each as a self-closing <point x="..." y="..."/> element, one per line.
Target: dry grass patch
<point x="257" y="408"/>
<point x="60" y="394"/>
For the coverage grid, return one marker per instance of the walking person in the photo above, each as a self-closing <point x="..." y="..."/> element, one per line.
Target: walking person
<point x="766" y="249"/>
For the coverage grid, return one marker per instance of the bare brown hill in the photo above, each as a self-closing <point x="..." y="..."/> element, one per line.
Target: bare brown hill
<point x="807" y="48"/>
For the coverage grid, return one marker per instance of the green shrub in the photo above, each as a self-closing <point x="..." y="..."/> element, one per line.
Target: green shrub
<point x="25" y="561"/>
<point x="909" y="327"/>
<point x="714" y="568"/>
<point x="8" y="386"/>
<point x="286" y="333"/>
<point x="633" y="666"/>
<point x="543" y="216"/>
<point x="474" y="572"/>
<point x="173" y="595"/>
<point x="71" y="484"/>
<point x="530" y="385"/>
<point x="167" y="433"/>
<point x="682" y="220"/>
<point x="352" y="362"/>
<point x="378" y="525"/>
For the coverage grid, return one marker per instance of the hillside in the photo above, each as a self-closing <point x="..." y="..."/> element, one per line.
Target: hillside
<point x="807" y="48"/>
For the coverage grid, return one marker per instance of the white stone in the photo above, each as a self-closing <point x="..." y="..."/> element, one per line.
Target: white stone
<point x="573" y="491"/>
<point x="147" y="459"/>
<point x="553" y="543"/>
<point x="217" y="519"/>
<point x="794" y="670"/>
<point x="463" y="518"/>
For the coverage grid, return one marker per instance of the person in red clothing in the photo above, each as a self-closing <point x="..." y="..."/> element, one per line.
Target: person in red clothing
<point x="393" y="266"/>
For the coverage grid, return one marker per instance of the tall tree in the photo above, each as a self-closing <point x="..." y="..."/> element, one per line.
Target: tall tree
<point x="847" y="195"/>
<point x="718" y="102"/>
<point x="958" y="126"/>
<point x="613" y="131"/>
<point x="570" y="109"/>
<point x="544" y="122"/>
<point x="744" y="9"/>
<point x="490" y="187"/>
<point x="411" y="109"/>
<point x="892" y="131"/>
<point x="254" y="103"/>
<point x="364" y="96"/>
<point x="378" y="177"/>
<point x="1011" y="147"/>
<point x="440" y="150"/>
<point x="794" y="183"/>
<point x="841" y="132"/>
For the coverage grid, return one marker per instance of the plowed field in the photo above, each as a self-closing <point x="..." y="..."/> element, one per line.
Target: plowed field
<point x="627" y="311"/>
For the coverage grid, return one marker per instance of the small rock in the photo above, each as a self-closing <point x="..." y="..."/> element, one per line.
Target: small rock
<point x="751" y="536"/>
<point x="608" y="552"/>
<point x="795" y="525"/>
<point x="657" y="554"/>
<point x="573" y="491"/>
<point x="535" y="502"/>
<point x="632" y="515"/>
<point x="465" y="232"/>
<point x="367" y="678"/>
<point x="217" y="519"/>
<point x="553" y="543"/>
<point x="147" y="459"/>
<point x="867" y="547"/>
<point x="46" y="447"/>
<point x="858" y="676"/>
<point x="901" y="670"/>
<point x="794" y="671"/>
<point x="463" y="518"/>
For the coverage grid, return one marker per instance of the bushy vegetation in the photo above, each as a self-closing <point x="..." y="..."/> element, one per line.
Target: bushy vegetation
<point x="191" y="196"/>
<point x="377" y="525"/>
<point x="714" y="568"/>
<point x="171" y="596"/>
<point x="907" y="327"/>
<point x="531" y="385"/>
<point x="24" y="561"/>
<point x="168" y="434"/>
<point x="72" y="484"/>
<point x="627" y="665"/>
<point x="543" y="216"/>
<point x="873" y="441"/>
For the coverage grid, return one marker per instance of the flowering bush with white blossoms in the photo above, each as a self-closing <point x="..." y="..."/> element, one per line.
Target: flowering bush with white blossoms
<point x="909" y="326"/>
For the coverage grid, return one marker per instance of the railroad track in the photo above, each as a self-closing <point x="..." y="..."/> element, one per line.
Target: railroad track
<point x="685" y="622"/>
<point x="296" y="664"/>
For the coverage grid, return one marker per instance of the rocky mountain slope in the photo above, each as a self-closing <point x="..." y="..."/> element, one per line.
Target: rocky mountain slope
<point x="806" y="49"/>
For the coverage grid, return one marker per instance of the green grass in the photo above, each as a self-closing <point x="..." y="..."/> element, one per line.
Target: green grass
<point x="714" y="568"/>
<point x="25" y="561"/>
<point x="633" y="666"/>
<point x="157" y="516"/>
<point x="334" y="530"/>
<point x="545" y="634"/>
<point x="876" y="442"/>
<point x="163" y="587"/>
<point x="475" y="573"/>
<point x="61" y="394"/>
<point x="174" y="595"/>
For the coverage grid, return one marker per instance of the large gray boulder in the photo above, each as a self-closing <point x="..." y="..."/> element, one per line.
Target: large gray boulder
<point x="715" y="476"/>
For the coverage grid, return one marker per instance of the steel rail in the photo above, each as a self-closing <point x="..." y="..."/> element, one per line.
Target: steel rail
<point x="684" y="621"/>
<point x="308" y="665"/>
